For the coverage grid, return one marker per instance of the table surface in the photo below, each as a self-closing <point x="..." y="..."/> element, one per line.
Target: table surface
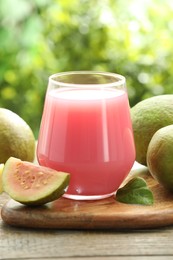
<point x="20" y="243"/>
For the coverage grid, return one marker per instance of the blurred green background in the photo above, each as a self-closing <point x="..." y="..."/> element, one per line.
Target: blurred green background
<point x="42" y="37"/>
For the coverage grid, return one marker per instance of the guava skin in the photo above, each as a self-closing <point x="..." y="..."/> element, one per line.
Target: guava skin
<point x="16" y="137"/>
<point x="160" y="157"/>
<point x="32" y="184"/>
<point x="148" y="116"/>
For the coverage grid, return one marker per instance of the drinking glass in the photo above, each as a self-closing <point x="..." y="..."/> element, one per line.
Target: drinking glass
<point x="86" y="131"/>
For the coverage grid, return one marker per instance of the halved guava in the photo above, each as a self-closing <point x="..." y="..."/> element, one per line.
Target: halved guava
<point x="32" y="184"/>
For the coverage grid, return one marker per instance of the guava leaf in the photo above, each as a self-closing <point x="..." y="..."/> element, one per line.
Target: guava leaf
<point x="135" y="192"/>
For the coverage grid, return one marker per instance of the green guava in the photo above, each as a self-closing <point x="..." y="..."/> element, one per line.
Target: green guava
<point x="160" y="157"/>
<point x="16" y="137"/>
<point x="32" y="184"/>
<point x="1" y="169"/>
<point x="148" y="116"/>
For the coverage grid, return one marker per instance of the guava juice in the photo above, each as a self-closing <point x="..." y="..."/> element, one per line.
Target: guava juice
<point x="88" y="133"/>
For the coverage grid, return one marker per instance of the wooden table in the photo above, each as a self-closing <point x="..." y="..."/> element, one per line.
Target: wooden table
<point x="20" y="243"/>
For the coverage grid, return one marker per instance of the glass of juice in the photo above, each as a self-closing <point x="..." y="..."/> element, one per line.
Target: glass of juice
<point x="86" y="131"/>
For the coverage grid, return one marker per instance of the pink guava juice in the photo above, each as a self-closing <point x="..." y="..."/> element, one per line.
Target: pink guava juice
<point x="88" y="133"/>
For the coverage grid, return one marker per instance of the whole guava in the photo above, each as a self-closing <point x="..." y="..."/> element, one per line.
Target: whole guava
<point x="160" y="157"/>
<point x="16" y="137"/>
<point x="148" y="116"/>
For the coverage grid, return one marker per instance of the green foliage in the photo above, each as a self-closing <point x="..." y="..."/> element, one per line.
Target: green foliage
<point x="42" y="37"/>
<point x="135" y="191"/>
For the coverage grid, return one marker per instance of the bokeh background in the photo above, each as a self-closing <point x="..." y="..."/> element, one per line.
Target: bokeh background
<point x="42" y="37"/>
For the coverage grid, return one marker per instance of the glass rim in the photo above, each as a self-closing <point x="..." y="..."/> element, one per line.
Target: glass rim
<point x="120" y="82"/>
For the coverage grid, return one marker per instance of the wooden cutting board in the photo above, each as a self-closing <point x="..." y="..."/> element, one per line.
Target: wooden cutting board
<point x="101" y="214"/>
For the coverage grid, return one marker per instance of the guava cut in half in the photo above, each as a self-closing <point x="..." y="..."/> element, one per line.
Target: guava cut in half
<point x="32" y="184"/>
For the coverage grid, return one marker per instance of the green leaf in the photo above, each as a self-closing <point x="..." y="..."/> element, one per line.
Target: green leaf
<point x="135" y="192"/>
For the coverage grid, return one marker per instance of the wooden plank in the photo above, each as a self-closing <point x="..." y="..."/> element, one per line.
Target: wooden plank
<point x="102" y="214"/>
<point x="106" y="258"/>
<point x="22" y="243"/>
<point x="19" y="243"/>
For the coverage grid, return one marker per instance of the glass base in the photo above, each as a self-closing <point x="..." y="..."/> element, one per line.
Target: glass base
<point x="84" y="197"/>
